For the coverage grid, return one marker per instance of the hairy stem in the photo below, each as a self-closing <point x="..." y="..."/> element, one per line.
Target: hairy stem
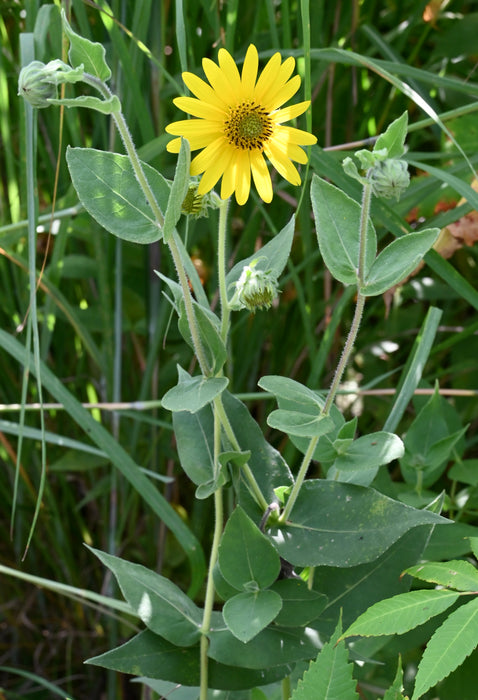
<point x="346" y="353"/>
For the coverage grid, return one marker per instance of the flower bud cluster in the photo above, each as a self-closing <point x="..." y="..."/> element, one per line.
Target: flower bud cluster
<point x="255" y="289"/>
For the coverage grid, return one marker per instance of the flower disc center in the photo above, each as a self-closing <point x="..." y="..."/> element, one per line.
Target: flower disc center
<point x="248" y="126"/>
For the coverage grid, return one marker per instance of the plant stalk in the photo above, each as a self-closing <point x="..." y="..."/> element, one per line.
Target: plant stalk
<point x="346" y="353"/>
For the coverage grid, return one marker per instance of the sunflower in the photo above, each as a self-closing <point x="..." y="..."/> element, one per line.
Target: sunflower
<point x="238" y="122"/>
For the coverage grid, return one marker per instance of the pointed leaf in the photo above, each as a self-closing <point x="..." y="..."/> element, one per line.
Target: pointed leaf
<point x="208" y="328"/>
<point x="395" y="692"/>
<point x="329" y="677"/>
<point x="401" y="613"/>
<point x="274" y="646"/>
<point x="458" y="574"/>
<point x="393" y="139"/>
<point x="192" y="393"/>
<point x="448" y="648"/>
<point x="272" y="256"/>
<point x="398" y="260"/>
<point x="147" y="654"/>
<point x="338" y="524"/>
<point x="194" y="434"/>
<point x="179" y="190"/>
<point x="300" y="605"/>
<point x="108" y="189"/>
<point x="161" y="605"/>
<point x="246" y="614"/>
<point x="337" y="221"/>
<point x="300" y="424"/>
<point x="370" y="451"/>
<point x="83" y="51"/>
<point x="245" y="554"/>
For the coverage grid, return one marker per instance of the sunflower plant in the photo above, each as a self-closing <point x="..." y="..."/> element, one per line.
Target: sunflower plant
<point x="257" y="620"/>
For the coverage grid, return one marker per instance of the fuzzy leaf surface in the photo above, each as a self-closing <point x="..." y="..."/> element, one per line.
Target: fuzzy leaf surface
<point x="337" y="222"/>
<point x="108" y="189"/>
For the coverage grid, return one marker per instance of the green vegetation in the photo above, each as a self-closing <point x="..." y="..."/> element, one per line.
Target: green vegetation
<point x="266" y="515"/>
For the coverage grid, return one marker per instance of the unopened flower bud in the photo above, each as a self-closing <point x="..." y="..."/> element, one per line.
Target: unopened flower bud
<point x="197" y="205"/>
<point x="38" y="82"/>
<point x="389" y="178"/>
<point x="256" y="289"/>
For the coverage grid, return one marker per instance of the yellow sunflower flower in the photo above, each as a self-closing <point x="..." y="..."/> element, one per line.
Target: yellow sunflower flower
<point x="238" y="122"/>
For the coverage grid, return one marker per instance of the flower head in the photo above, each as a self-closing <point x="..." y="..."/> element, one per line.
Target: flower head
<point x="38" y="82"/>
<point x="238" y="122"/>
<point x="255" y="289"/>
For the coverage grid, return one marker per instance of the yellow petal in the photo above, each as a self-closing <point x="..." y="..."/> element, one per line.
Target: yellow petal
<point x="283" y="115"/>
<point x="243" y="177"/>
<point x="198" y="108"/>
<point x="198" y="132"/>
<point x="219" y="81"/>
<point x="202" y="90"/>
<point x="229" y="69"/>
<point x="267" y="77"/>
<point x="282" y="164"/>
<point x="265" y="90"/>
<point x="213" y="155"/>
<point x="288" y="133"/>
<point x="279" y="97"/>
<point x="262" y="178"/>
<point x="249" y="72"/>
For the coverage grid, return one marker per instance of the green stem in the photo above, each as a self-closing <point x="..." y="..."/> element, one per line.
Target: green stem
<point x="247" y="471"/>
<point x="209" y="599"/>
<point x="221" y="269"/>
<point x="158" y="215"/>
<point x="346" y="353"/>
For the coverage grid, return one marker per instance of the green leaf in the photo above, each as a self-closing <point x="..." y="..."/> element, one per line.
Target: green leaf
<point x="208" y="327"/>
<point x="108" y="106"/>
<point x="161" y="605"/>
<point x="179" y="190"/>
<point x="192" y="393"/>
<point x="329" y="677"/>
<point x="246" y="614"/>
<point x="108" y="189"/>
<point x="87" y="53"/>
<point x="149" y="655"/>
<point x="369" y="452"/>
<point x="300" y="605"/>
<point x="337" y="221"/>
<point x="245" y="553"/>
<point x="274" y="646"/>
<point x="398" y="260"/>
<point x="429" y="441"/>
<point x="355" y="589"/>
<point x="401" y="613"/>
<point x="302" y="416"/>
<point x="393" y="139"/>
<point x="448" y="648"/>
<point x="272" y="256"/>
<point x="266" y="463"/>
<point x="336" y="524"/>
<point x="300" y="424"/>
<point x="395" y="692"/>
<point x="194" y="434"/>
<point x="458" y="574"/>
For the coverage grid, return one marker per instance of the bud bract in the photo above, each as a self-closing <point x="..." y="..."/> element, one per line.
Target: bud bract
<point x="389" y="178"/>
<point x="38" y="82"/>
<point x="255" y="289"/>
<point x="197" y="205"/>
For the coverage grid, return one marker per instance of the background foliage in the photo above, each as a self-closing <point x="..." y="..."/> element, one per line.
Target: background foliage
<point x="103" y="320"/>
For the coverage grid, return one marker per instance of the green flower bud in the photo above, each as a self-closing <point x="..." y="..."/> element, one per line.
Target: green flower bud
<point x="389" y="178"/>
<point x="255" y="289"/>
<point x="197" y="205"/>
<point x="38" y="82"/>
